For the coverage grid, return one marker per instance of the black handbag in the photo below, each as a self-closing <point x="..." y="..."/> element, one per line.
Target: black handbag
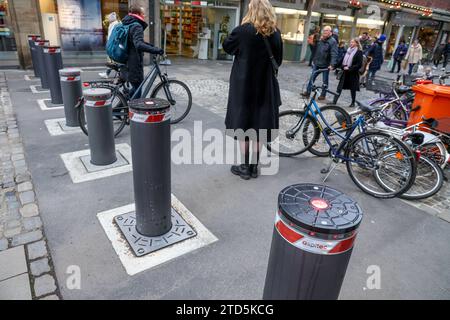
<point x="272" y="58"/>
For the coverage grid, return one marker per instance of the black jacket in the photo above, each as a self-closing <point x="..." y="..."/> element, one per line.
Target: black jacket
<point x="350" y="78"/>
<point x="326" y="53"/>
<point x="137" y="46"/>
<point x="254" y="95"/>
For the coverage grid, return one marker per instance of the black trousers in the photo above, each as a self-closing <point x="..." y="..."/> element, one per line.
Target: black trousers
<point x="397" y="63"/>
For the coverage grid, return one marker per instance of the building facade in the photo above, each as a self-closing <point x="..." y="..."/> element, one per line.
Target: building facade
<point x="196" y="29"/>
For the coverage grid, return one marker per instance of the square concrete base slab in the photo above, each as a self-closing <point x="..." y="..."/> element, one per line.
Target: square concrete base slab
<point x="90" y="167"/>
<point x="133" y="264"/>
<point x="17" y="288"/>
<point x="57" y="127"/>
<point x="46" y="105"/>
<point x="38" y="89"/>
<point x="142" y="245"/>
<point x="80" y="172"/>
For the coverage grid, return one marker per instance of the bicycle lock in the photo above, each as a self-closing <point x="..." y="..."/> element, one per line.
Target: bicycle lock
<point x="315" y="229"/>
<point x="72" y="91"/>
<point x="98" y="109"/>
<point x="32" y="38"/>
<point x="53" y="63"/>
<point x="39" y="46"/>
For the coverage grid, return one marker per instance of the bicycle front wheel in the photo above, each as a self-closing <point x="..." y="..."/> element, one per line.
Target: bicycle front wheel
<point x="296" y="134"/>
<point x="380" y="165"/>
<point x="179" y="97"/>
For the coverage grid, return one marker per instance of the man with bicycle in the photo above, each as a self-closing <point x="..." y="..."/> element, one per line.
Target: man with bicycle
<point x="325" y="57"/>
<point x="137" y="46"/>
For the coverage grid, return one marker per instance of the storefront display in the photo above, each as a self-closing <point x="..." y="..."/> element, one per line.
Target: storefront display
<point x="8" y="50"/>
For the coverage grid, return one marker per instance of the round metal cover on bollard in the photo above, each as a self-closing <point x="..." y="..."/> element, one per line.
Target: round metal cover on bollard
<point x="72" y="91"/>
<point x="98" y="111"/>
<point x="150" y="147"/>
<point x="39" y="45"/>
<point x="32" y="38"/>
<point x="53" y="63"/>
<point x="315" y="229"/>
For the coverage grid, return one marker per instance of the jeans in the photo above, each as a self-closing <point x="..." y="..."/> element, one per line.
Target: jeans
<point x="411" y="67"/>
<point x="325" y="78"/>
<point x="371" y="75"/>
<point x="398" y="64"/>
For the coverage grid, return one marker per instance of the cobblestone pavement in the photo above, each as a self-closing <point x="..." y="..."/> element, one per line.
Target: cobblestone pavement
<point x="208" y="82"/>
<point x="26" y="265"/>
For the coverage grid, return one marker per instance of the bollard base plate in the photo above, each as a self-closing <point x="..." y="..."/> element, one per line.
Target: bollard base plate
<point x="142" y="245"/>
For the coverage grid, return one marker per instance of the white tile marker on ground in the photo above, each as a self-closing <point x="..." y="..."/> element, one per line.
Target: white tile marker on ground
<point x="44" y="105"/>
<point x="35" y="90"/>
<point x="57" y="127"/>
<point x="133" y="264"/>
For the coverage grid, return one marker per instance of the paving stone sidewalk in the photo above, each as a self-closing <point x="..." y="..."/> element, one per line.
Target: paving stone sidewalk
<point x="26" y="268"/>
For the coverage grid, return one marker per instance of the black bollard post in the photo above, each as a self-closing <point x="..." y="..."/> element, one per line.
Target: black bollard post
<point x="71" y="91"/>
<point x="53" y="63"/>
<point x="315" y="230"/>
<point x="39" y="46"/>
<point x="32" y="38"/>
<point x="150" y="144"/>
<point x="99" y="119"/>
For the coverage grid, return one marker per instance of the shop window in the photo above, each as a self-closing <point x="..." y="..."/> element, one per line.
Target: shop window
<point x="7" y="41"/>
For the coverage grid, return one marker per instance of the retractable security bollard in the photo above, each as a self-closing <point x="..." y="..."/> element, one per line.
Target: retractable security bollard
<point x="98" y="109"/>
<point x="150" y="145"/>
<point x="53" y="63"/>
<point x="39" y="46"/>
<point x="32" y="38"/>
<point x="71" y="91"/>
<point x="315" y="229"/>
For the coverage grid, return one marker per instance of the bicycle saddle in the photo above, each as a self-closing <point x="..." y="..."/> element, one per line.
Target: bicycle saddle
<point x="365" y="107"/>
<point x="115" y="66"/>
<point x="404" y="89"/>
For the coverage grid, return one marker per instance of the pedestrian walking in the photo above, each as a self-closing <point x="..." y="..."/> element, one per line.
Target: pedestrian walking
<point x="376" y="53"/>
<point x="113" y="21"/>
<point x="254" y="96"/>
<point x="336" y="34"/>
<point x="414" y="55"/>
<point x="437" y="55"/>
<point x="341" y="52"/>
<point x="446" y="54"/>
<point x="325" y="58"/>
<point x="313" y="39"/>
<point x="137" y="46"/>
<point x="365" y="41"/>
<point x="351" y="66"/>
<point x="399" y="55"/>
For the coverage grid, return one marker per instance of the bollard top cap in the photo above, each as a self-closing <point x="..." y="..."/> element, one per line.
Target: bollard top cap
<point x="41" y="42"/>
<point x="319" y="208"/>
<point x="70" y="72"/>
<point x="149" y="105"/>
<point x="97" y="94"/>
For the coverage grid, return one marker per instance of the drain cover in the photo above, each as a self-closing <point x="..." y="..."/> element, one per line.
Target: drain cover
<point x="142" y="245"/>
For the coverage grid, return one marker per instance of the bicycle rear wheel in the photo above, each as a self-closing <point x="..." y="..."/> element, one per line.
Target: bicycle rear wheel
<point x="336" y="118"/>
<point x="179" y="96"/>
<point x="376" y="156"/>
<point x="119" y="112"/>
<point x="291" y="140"/>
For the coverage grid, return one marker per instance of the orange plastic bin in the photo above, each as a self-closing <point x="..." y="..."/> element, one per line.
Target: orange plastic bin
<point x="431" y="101"/>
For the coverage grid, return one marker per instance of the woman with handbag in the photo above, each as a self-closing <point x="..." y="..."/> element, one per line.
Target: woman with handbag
<point x="414" y="55"/>
<point x="254" y="96"/>
<point x="351" y="66"/>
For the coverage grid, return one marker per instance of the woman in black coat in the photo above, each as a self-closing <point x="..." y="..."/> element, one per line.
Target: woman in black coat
<point x="254" y="95"/>
<point x="351" y="65"/>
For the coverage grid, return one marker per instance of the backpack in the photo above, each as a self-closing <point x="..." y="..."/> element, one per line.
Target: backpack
<point x="364" y="65"/>
<point x="117" y="45"/>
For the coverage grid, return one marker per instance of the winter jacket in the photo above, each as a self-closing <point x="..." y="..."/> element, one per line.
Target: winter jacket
<point x="400" y="52"/>
<point x="326" y="53"/>
<point x="137" y="46"/>
<point x="376" y="52"/>
<point x="414" y="54"/>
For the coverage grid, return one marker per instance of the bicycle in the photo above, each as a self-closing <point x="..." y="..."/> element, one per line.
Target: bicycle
<point x="378" y="163"/>
<point x="176" y="92"/>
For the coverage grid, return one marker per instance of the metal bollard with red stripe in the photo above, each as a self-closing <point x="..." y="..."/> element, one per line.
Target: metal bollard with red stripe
<point x="315" y="230"/>
<point x="39" y="46"/>
<point x="53" y="63"/>
<point x="32" y="38"/>
<point x="98" y="109"/>
<point x="71" y="92"/>
<point x="150" y="148"/>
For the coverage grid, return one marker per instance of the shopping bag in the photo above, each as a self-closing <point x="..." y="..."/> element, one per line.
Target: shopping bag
<point x="420" y="69"/>
<point x="390" y="65"/>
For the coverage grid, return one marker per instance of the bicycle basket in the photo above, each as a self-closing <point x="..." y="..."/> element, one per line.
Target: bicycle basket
<point x="379" y="86"/>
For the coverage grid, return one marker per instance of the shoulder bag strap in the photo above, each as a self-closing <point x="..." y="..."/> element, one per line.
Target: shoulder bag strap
<point x="272" y="58"/>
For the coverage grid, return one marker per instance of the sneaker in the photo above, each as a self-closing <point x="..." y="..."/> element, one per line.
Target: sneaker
<point x="305" y="94"/>
<point x="103" y="75"/>
<point x="243" y="171"/>
<point x="254" y="170"/>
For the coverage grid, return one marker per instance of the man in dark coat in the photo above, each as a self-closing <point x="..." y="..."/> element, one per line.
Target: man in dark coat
<point x="399" y="55"/>
<point x="137" y="46"/>
<point x="376" y="52"/>
<point x="325" y="58"/>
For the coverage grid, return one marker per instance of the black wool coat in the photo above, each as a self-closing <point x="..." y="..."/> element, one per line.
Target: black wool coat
<point x="351" y="77"/>
<point x="254" y="96"/>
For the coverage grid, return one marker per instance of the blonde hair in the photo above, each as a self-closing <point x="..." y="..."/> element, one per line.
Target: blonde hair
<point x="262" y="16"/>
<point x="358" y="42"/>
